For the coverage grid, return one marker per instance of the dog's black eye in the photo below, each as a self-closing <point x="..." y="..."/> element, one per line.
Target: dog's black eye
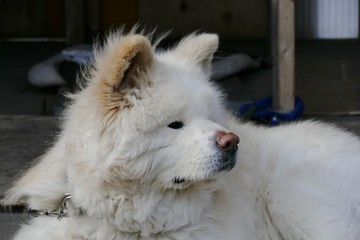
<point x="176" y="125"/>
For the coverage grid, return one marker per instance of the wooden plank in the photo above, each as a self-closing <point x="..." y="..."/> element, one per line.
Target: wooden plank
<point x="231" y="19"/>
<point x="55" y="15"/>
<point x="283" y="50"/>
<point x="114" y="13"/>
<point x="23" y="19"/>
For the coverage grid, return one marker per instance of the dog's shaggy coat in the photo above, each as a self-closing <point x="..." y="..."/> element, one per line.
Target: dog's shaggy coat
<point x="143" y="155"/>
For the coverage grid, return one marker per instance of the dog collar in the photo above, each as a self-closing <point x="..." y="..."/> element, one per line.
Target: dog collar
<point x="60" y="211"/>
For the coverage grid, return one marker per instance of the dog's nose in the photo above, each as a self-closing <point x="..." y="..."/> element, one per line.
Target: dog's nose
<point x="227" y="141"/>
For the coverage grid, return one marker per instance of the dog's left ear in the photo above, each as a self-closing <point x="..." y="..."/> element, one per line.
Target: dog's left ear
<point x="199" y="49"/>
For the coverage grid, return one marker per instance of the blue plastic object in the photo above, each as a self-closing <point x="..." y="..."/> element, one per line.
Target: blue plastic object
<point x="261" y="110"/>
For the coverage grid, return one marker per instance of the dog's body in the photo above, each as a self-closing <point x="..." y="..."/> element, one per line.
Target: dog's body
<point x="146" y="153"/>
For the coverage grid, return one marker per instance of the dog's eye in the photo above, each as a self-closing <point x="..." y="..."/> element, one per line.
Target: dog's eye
<point x="176" y="125"/>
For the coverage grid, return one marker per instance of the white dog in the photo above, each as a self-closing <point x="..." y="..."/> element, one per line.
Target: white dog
<point x="147" y="151"/>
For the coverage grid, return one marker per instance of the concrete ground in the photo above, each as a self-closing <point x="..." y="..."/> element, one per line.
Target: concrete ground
<point x="328" y="80"/>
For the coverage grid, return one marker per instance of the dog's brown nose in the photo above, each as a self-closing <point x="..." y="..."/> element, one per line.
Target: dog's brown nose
<point x="228" y="141"/>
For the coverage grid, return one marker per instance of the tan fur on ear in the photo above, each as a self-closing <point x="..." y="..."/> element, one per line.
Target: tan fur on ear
<point x="119" y="67"/>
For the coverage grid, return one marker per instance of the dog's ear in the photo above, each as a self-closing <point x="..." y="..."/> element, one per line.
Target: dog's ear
<point x="199" y="49"/>
<point x="120" y="64"/>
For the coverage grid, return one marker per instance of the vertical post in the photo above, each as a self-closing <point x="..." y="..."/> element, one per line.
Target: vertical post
<point x="92" y="16"/>
<point x="74" y="21"/>
<point x="283" y="51"/>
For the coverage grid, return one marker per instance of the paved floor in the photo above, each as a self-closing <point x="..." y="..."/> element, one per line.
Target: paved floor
<point x="10" y="223"/>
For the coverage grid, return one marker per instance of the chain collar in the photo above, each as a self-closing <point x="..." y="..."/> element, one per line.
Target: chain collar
<point x="60" y="211"/>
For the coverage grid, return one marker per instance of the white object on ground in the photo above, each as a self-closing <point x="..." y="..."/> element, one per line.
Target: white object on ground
<point x="232" y="65"/>
<point x="46" y="73"/>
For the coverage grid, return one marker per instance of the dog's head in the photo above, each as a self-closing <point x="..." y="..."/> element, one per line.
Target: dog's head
<point x="160" y="118"/>
<point x="143" y="119"/>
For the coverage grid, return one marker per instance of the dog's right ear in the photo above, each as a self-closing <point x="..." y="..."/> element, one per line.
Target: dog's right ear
<point x="120" y="65"/>
<point x="120" y="70"/>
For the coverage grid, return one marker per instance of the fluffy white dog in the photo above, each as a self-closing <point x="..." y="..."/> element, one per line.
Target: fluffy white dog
<point x="148" y="151"/>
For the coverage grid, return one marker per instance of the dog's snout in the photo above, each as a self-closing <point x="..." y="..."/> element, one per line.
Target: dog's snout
<point x="227" y="141"/>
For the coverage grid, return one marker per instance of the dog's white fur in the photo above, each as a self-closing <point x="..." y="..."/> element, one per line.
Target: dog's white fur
<point x="118" y="158"/>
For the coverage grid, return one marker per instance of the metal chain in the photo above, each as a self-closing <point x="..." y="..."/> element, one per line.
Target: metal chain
<point x="60" y="211"/>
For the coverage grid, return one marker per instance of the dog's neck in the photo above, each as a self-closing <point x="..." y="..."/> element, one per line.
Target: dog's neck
<point x="151" y="211"/>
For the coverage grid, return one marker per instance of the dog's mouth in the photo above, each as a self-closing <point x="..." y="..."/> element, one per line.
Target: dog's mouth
<point x="183" y="183"/>
<point x="178" y="180"/>
<point x="223" y="163"/>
